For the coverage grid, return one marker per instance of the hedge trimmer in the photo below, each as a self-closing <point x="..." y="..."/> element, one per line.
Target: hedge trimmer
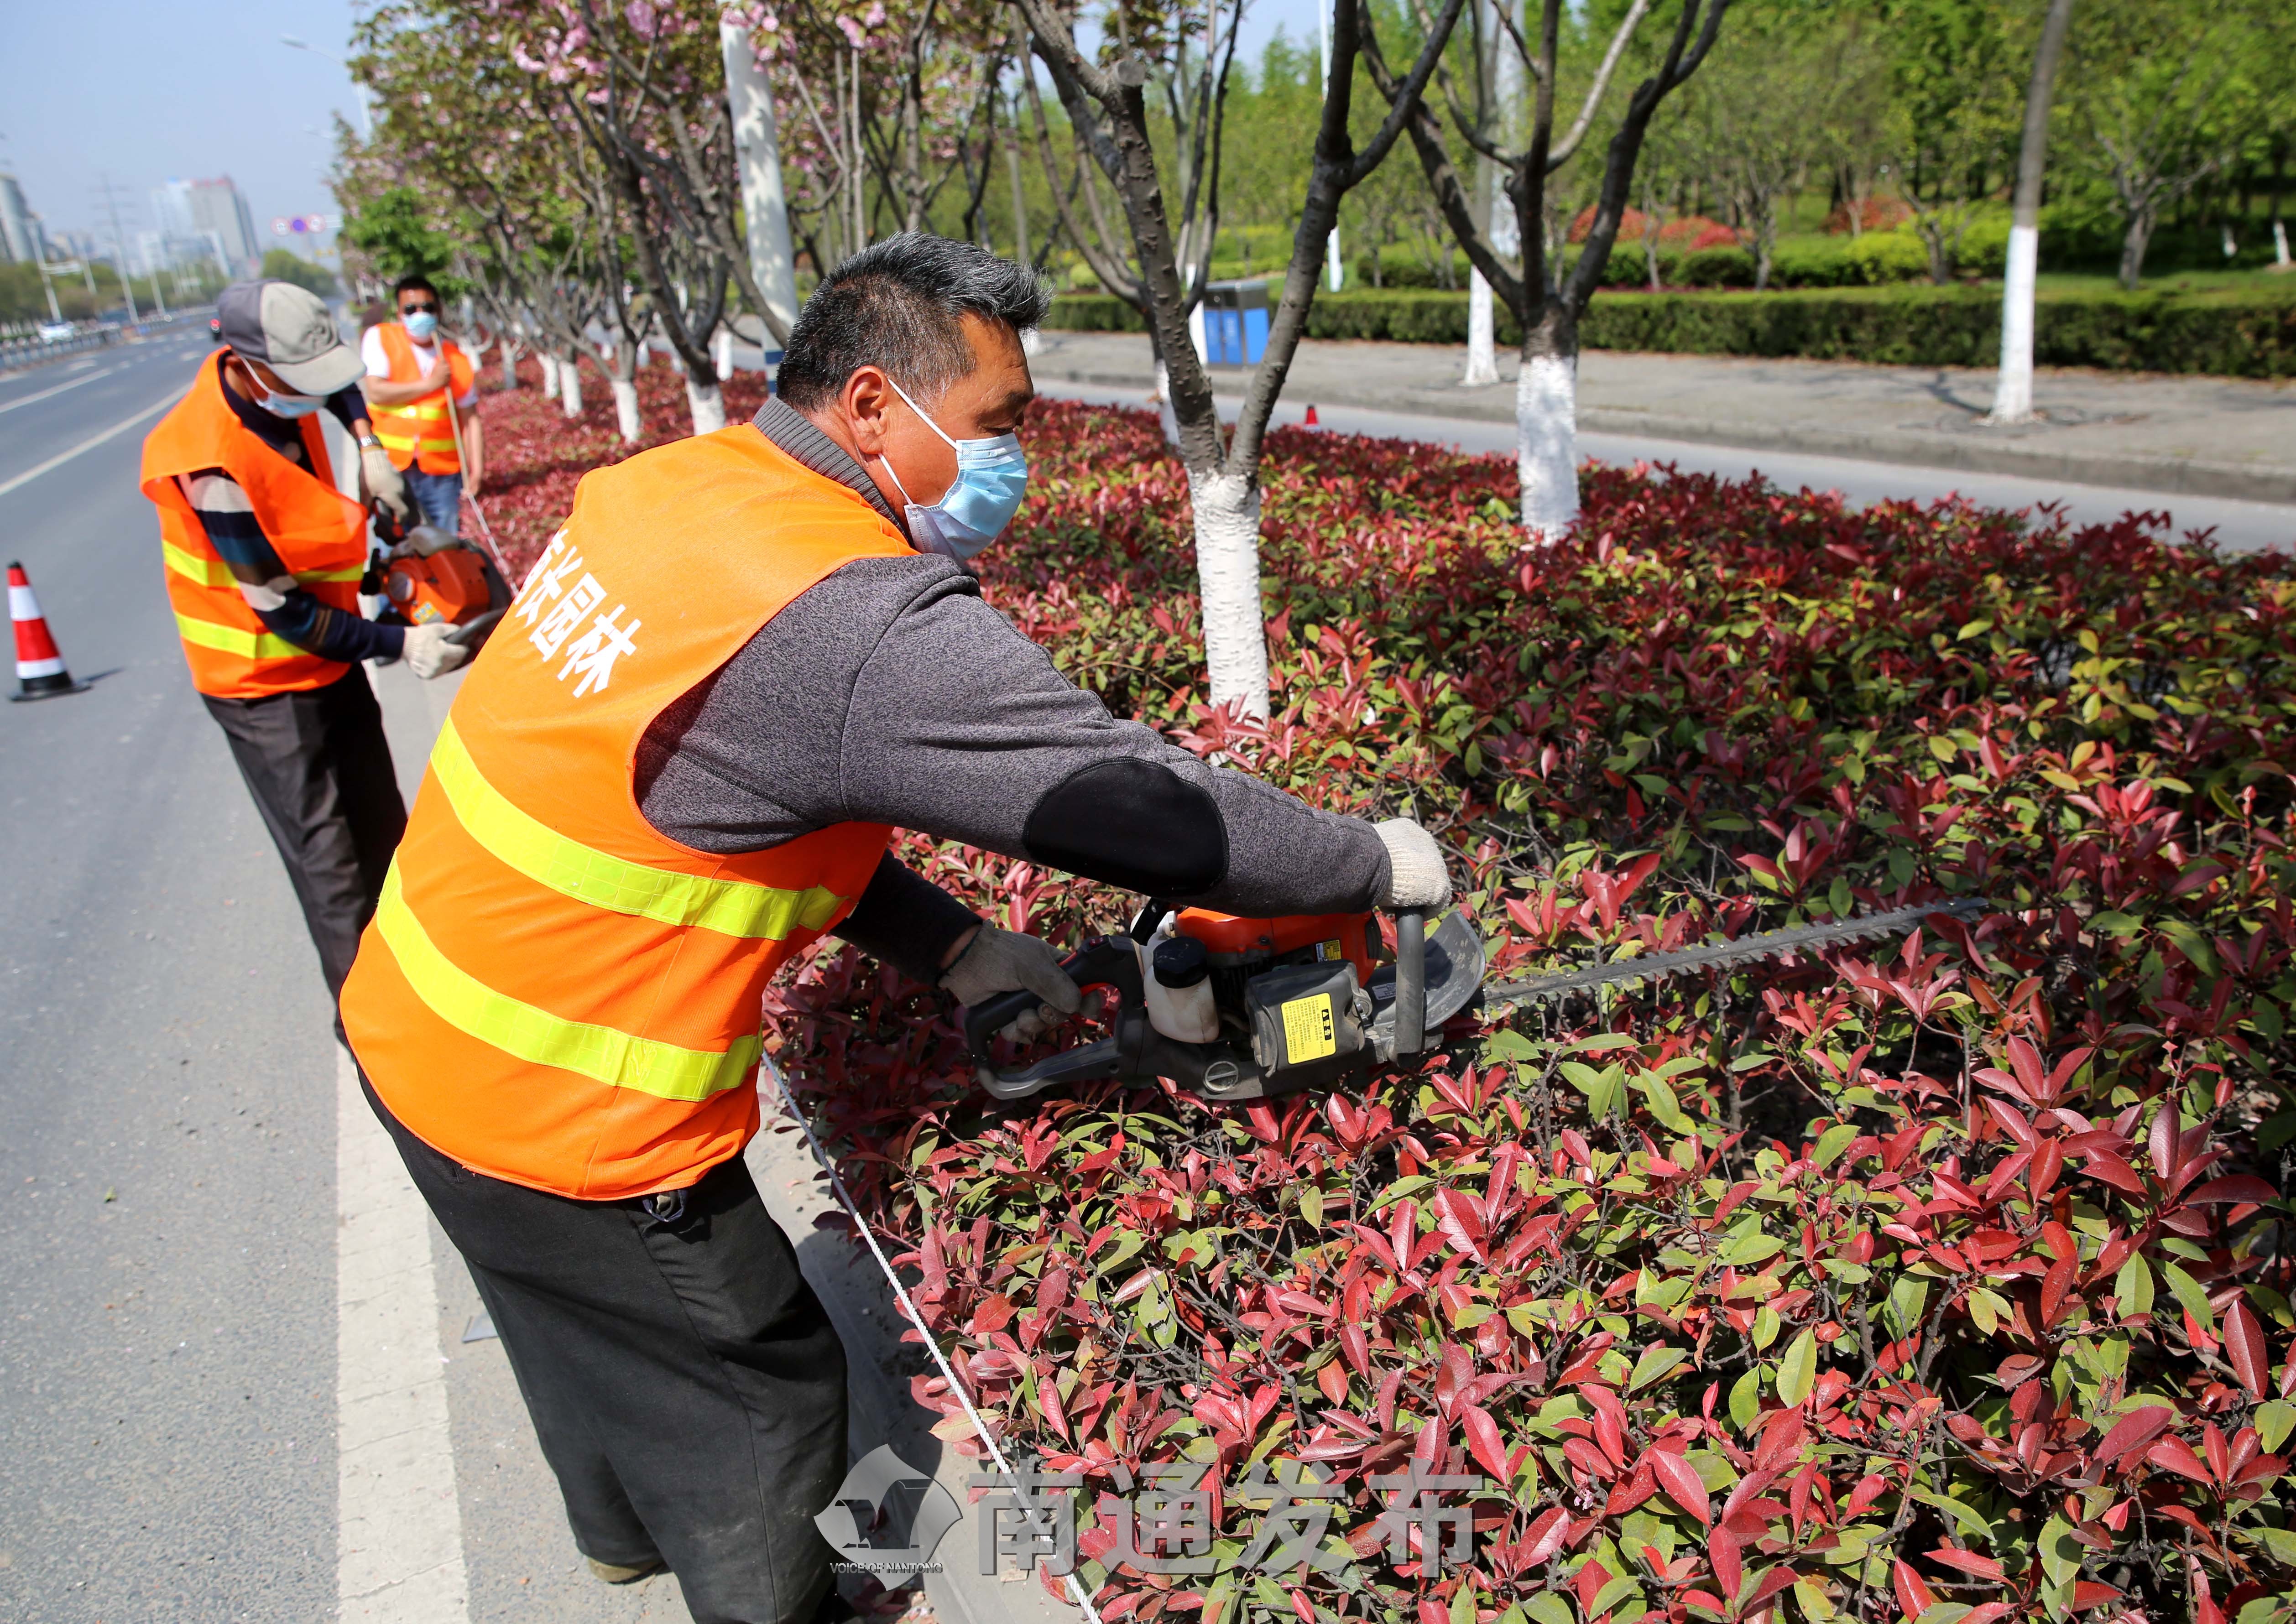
<point x="1244" y="1009"/>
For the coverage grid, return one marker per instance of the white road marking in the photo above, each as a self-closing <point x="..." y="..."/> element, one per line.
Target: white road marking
<point x="399" y="1521"/>
<point x="58" y="389"/>
<point x="89" y="444"/>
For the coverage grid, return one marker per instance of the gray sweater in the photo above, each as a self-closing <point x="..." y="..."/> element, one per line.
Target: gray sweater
<point x="889" y="692"/>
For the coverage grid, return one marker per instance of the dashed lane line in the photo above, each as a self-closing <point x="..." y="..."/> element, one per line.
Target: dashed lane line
<point x="399" y="1521"/>
<point x="11" y="406"/>
<point x="89" y="444"/>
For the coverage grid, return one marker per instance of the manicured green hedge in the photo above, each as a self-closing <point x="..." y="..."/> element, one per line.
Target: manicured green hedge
<point x="2232" y="335"/>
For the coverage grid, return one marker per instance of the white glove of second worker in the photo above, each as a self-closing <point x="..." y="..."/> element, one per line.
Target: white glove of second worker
<point x="432" y="650"/>
<point x="996" y="962"/>
<point x="1416" y="877"/>
<point x="384" y="483"/>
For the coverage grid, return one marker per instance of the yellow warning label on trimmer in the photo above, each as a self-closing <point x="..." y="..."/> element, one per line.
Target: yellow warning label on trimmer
<point x="1308" y="1029"/>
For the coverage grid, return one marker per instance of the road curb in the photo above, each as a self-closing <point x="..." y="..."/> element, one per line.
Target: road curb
<point x="1964" y="453"/>
<point x="878" y="1367"/>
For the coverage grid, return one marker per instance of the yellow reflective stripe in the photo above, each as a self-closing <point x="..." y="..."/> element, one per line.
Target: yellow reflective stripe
<point x="214" y="572"/>
<point x="231" y="640"/>
<point x="541" y="1039"/>
<point x="731" y="908"/>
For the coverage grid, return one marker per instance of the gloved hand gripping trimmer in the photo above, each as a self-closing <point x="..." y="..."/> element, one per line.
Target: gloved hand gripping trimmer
<point x="1245" y="1009"/>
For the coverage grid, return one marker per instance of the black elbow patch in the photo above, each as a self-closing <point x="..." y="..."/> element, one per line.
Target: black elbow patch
<point x="1132" y="823"/>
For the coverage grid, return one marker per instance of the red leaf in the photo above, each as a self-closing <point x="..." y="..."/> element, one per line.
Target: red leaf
<point x="1722" y="1551"/>
<point x="2134" y="1430"/>
<point x="1483" y="1441"/>
<point x="2239" y="1188"/>
<point x="1545" y="1536"/>
<point x="2173" y="1454"/>
<point x="1913" y="1597"/>
<point x="2243" y="1341"/>
<point x="2055" y="1286"/>
<point x="1682" y="1485"/>
<point x="1969" y="1562"/>
<point x="2087" y="1594"/>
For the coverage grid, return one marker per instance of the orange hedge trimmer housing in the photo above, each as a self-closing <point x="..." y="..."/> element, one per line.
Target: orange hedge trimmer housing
<point x="449" y="585"/>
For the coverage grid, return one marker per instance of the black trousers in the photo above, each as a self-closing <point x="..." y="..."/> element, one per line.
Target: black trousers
<point x="687" y="1384"/>
<point x="320" y="771"/>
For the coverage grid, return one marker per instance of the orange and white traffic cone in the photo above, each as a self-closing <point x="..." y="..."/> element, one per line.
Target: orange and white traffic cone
<point x="40" y="671"/>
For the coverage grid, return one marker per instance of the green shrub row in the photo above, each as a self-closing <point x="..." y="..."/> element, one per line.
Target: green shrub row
<point x="2240" y="336"/>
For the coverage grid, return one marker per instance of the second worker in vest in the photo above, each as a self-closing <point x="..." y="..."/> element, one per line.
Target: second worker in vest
<point x="747" y="658"/>
<point x="422" y="388"/>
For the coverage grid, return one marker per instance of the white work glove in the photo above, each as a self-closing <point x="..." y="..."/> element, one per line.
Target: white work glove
<point x="1415" y="875"/>
<point x="432" y="650"/>
<point x="384" y="483"/>
<point x="997" y="961"/>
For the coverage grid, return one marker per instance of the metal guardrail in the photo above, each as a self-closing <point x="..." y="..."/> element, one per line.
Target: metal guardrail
<point x="33" y="350"/>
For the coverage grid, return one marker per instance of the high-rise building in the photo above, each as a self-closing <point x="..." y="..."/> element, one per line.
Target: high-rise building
<point x="20" y="232"/>
<point x="171" y="208"/>
<point x="219" y="208"/>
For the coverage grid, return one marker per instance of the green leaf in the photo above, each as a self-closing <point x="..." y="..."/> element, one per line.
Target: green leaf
<point x="2060" y="1552"/>
<point x="1798" y="1371"/>
<point x="1751" y="1248"/>
<point x="1971" y="1522"/>
<point x="1655" y="1363"/>
<point x="1548" y="1608"/>
<point x="1832" y="1141"/>
<point x="1508" y="1043"/>
<point x="1765" y="1325"/>
<point x="2192" y="1294"/>
<point x="2132" y="1287"/>
<point x="1608" y="1596"/>
<point x="2115" y="924"/>
<point x="1903" y="1311"/>
<point x="1311" y="1205"/>
<point x="1463" y="1605"/>
<point x="2273" y="1423"/>
<point x="1989" y="1309"/>
<point x="1746" y="1400"/>
<point x="1816" y="1604"/>
<point x="1602" y="1043"/>
<point x="1662" y="1103"/>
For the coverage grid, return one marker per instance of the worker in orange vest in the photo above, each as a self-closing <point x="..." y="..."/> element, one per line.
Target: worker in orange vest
<point x="747" y="658"/>
<point x="263" y="555"/>
<point x="422" y="389"/>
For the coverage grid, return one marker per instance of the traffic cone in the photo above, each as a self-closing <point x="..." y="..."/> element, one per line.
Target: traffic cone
<point x="40" y="671"/>
<point x="1311" y="422"/>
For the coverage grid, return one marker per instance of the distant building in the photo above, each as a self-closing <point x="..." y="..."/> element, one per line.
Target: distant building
<point x="19" y="231"/>
<point x="219" y="212"/>
<point x="171" y="210"/>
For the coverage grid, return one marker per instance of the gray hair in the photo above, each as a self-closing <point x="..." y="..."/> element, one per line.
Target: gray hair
<point x="896" y="305"/>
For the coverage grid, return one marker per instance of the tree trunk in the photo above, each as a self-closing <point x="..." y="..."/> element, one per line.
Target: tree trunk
<point x="1546" y="425"/>
<point x="1482" y="357"/>
<point x="707" y="402"/>
<point x="2012" y="395"/>
<point x="509" y="364"/>
<point x="549" y="374"/>
<point x="569" y="386"/>
<point x="1226" y="507"/>
<point x="2132" y="243"/>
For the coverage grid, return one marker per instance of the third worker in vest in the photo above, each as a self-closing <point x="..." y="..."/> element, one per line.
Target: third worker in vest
<point x="422" y="388"/>
<point x="748" y="658"/>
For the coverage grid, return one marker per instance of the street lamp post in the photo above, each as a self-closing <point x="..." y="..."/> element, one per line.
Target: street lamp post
<point x="366" y="113"/>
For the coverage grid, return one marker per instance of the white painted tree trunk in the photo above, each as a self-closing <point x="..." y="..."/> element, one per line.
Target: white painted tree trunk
<point x="1483" y="353"/>
<point x="707" y="405"/>
<point x="2012" y="396"/>
<point x="569" y="386"/>
<point x="721" y="352"/>
<point x="549" y="375"/>
<point x="626" y="410"/>
<point x="509" y="366"/>
<point x="1164" y="406"/>
<point x="757" y="151"/>
<point x="1227" y="573"/>
<point x="1546" y="445"/>
<point x="2279" y="243"/>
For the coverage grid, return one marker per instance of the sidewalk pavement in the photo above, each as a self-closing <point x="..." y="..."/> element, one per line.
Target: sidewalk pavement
<point x="2213" y="437"/>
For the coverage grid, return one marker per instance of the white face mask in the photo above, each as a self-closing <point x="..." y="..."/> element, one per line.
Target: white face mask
<point x="289" y="405"/>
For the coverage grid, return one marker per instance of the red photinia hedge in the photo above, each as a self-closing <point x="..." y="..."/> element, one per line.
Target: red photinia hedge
<point x="1945" y="1281"/>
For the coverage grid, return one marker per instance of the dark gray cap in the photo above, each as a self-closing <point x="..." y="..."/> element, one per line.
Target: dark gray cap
<point x="288" y="330"/>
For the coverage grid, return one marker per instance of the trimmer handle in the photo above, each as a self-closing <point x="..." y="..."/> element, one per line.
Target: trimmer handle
<point x="1410" y="980"/>
<point x="1103" y="963"/>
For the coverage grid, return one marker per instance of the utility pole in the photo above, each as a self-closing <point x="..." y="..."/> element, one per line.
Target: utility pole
<point x="109" y="195"/>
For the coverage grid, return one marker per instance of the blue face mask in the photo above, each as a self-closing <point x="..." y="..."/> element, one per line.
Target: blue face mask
<point x="283" y="405"/>
<point x="421" y="326"/>
<point x="992" y="476"/>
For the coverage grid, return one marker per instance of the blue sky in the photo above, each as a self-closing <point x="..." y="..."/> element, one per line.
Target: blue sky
<point x="143" y="91"/>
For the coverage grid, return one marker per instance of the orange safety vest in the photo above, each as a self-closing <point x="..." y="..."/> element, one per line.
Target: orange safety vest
<point x="551" y="991"/>
<point x="419" y="431"/>
<point x="319" y="534"/>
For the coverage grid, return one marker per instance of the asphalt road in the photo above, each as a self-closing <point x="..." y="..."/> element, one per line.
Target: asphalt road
<point x="174" y="1357"/>
<point x="2240" y="526"/>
